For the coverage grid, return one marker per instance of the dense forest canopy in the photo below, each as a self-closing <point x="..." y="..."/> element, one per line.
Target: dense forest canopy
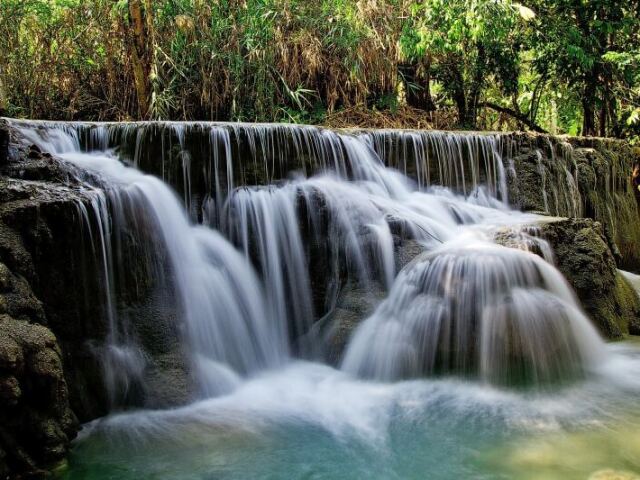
<point x="564" y="66"/>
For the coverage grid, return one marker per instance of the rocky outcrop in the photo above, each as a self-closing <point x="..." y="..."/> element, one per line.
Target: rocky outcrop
<point x="584" y="255"/>
<point x="36" y="421"/>
<point x="46" y="371"/>
<point x="48" y="237"/>
<point x="41" y="242"/>
<point x="579" y="177"/>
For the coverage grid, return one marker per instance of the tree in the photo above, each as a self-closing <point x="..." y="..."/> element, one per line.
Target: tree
<point x="139" y="33"/>
<point x="465" y="43"/>
<point x="576" y="41"/>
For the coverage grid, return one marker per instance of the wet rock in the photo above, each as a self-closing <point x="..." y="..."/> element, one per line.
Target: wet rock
<point x="11" y="357"/>
<point x="168" y="382"/>
<point x="354" y="304"/>
<point x="4" y="143"/>
<point x="42" y="290"/>
<point x="9" y="390"/>
<point x="406" y="251"/>
<point x="17" y="298"/>
<point x="584" y="255"/>
<point x="48" y="274"/>
<point x="36" y="422"/>
<point x="585" y="258"/>
<point x="577" y="177"/>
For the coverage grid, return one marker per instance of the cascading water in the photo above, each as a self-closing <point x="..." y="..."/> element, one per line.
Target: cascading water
<point x="472" y="306"/>
<point x="452" y="313"/>
<point x="228" y="327"/>
<point x="332" y="210"/>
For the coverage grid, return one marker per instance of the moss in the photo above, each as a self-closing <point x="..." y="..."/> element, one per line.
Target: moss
<point x="541" y="180"/>
<point x="584" y="257"/>
<point x="628" y="302"/>
<point x="618" y="312"/>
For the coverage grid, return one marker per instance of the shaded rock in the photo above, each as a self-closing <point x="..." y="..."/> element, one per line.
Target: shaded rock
<point x="48" y="272"/>
<point x="11" y="357"/>
<point x="36" y="422"/>
<point x="355" y="303"/>
<point x="406" y="251"/>
<point x="9" y="390"/>
<point x="17" y="298"/>
<point x="168" y="382"/>
<point x="4" y="143"/>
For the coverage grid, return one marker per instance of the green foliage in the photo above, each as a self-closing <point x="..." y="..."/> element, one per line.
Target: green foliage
<point x="467" y="44"/>
<point x="584" y="47"/>
<point x="566" y="66"/>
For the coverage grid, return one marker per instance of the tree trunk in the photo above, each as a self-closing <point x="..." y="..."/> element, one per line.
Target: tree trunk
<point x="602" y="119"/>
<point x="3" y="95"/>
<point x="476" y="88"/>
<point x="140" y="46"/>
<point x="603" y="112"/>
<point x="588" y="107"/>
<point x="458" y="93"/>
<point x="417" y="80"/>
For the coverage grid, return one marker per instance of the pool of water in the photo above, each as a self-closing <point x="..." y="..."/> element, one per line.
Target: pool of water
<point x="309" y="421"/>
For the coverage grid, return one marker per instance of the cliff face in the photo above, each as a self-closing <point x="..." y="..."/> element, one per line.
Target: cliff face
<point x="44" y="376"/>
<point x="576" y="177"/>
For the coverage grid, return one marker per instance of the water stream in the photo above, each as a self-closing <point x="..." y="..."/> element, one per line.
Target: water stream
<point x="477" y="363"/>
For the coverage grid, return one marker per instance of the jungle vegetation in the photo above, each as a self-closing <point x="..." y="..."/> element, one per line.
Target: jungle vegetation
<point x="563" y="66"/>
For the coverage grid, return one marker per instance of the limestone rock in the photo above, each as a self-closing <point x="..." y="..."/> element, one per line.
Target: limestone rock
<point x="36" y="422"/>
<point x="584" y="257"/>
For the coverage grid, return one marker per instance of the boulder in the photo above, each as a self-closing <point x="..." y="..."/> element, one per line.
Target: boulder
<point x="356" y="302"/>
<point x="36" y="422"/>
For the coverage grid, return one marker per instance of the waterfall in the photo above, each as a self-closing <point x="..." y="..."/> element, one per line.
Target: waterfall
<point x="475" y="307"/>
<point x="291" y="214"/>
<point x="227" y="325"/>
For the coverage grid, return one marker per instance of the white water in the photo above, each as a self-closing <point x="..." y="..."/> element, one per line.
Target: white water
<point x="471" y="310"/>
<point x="468" y="306"/>
<point x="473" y="306"/>
<point x="228" y="326"/>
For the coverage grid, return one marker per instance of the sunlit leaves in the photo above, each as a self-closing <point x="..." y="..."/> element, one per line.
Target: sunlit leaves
<point x="525" y="12"/>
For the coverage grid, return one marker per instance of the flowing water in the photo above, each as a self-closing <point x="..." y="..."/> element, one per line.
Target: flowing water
<point x="478" y="362"/>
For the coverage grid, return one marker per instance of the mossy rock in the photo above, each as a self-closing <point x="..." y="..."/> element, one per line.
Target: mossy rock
<point x="584" y="256"/>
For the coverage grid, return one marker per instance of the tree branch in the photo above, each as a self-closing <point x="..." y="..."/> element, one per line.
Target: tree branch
<point x="517" y="115"/>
